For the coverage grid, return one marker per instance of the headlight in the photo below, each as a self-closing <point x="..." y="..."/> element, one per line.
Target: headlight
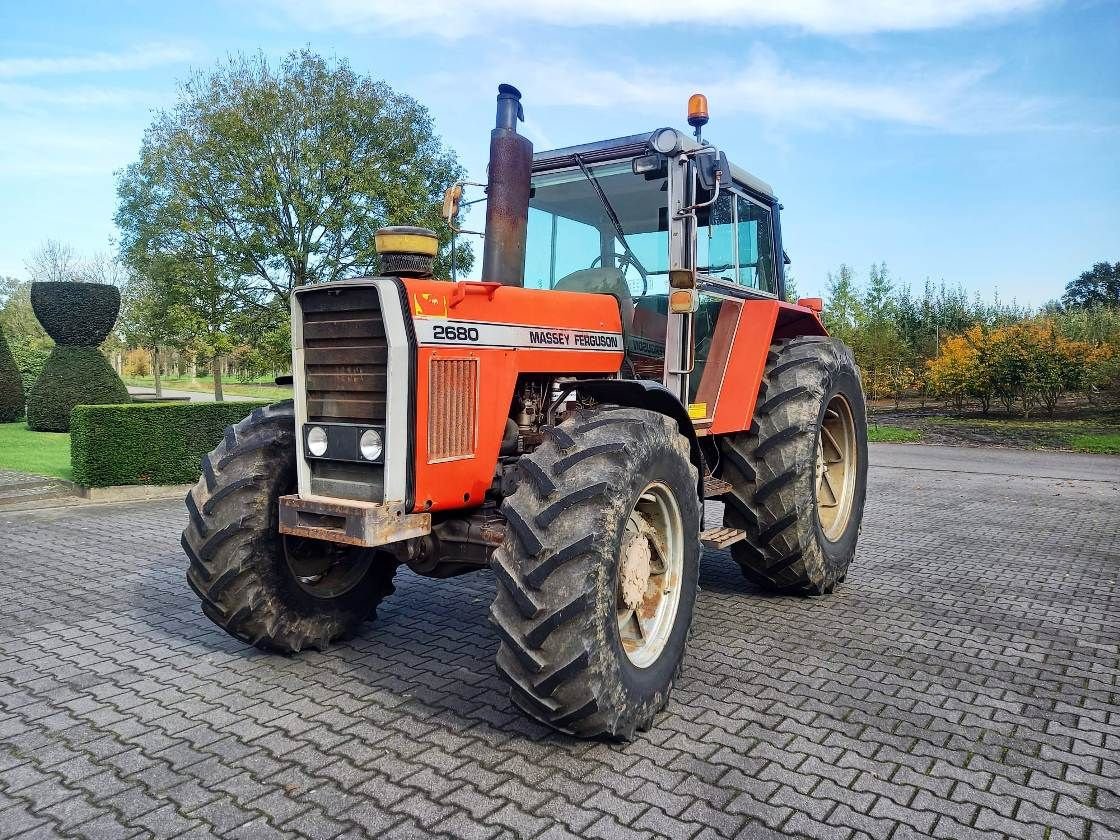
<point x="317" y="441"/>
<point x="370" y="445"/>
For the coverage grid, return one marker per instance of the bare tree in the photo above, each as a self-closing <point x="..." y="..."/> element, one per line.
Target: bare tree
<point x="103" y="267"/>
<point x="53" y="261"/>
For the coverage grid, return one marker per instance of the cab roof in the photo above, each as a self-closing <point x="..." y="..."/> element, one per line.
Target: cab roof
<point x="624" y="147"/>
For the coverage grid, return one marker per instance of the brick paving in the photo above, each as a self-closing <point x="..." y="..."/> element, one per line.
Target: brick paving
<point x="964" y="682"/>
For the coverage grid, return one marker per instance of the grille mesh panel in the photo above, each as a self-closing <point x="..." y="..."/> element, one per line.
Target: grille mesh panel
<point x="452" y="408"/>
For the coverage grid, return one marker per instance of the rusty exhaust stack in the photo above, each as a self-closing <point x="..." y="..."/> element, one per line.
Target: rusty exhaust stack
<point x="507" y="192"/>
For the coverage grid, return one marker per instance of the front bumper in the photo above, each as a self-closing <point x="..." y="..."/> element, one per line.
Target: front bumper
<point x="365" y="524"/>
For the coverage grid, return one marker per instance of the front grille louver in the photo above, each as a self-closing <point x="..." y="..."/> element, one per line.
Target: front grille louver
<point x="345" y="356"/>
<point x="345" y="367"/>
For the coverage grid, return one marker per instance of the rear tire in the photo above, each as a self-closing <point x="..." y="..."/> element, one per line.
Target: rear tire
<point x="802" y="526"/>
<point x="275" y="592"/>
<point x="575" y="579"/>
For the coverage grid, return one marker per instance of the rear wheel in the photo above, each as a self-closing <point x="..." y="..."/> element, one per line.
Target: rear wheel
<point x="597" y="574"/>
<point x="273" y="591"/>
<point x="799" y="477"/>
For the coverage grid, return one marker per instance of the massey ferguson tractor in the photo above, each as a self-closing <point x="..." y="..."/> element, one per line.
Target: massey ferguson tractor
<point x="627" y="355"/>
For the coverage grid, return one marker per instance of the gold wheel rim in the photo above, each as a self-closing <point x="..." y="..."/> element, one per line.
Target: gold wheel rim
<point x="837" y="463"/>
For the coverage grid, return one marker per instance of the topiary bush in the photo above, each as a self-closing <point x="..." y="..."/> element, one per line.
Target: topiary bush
<point x="72" y="376"/>
<point x="147" y="443"/>
<point x="11" y="386"/>
<point x="77" y="316"/>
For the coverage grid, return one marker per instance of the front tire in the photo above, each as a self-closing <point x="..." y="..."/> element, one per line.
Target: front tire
<point x="276" y="592"/>
<point x="799" y="477"/>
<point x="597" y="576"/>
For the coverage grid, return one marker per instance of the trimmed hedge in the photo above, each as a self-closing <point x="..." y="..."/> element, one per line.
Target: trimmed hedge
<point x="77" y="314"/>
<point x="11" y="386"/>
<point x="72" y="376"/>
<point x="147" y="443"/>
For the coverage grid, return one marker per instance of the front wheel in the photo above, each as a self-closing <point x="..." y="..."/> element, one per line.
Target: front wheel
<point x="597" y="576"/>
<point x="273" y="591"/>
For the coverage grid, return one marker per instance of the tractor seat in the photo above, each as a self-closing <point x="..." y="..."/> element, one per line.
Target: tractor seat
<point x="602" y="281"/>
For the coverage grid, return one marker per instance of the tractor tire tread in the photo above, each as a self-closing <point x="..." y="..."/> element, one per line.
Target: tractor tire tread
<point x="545" y="604"/>
<point x="226" y="526"/>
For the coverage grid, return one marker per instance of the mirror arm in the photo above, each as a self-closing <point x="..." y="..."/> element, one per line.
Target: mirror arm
<point x="691" y="209"/>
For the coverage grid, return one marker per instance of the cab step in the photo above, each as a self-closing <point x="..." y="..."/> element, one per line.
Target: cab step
<point x="719" y="538"/>
<point x="715" y="487"/>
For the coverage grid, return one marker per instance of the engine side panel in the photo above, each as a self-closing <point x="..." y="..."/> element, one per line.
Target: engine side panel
<point x="473" y="342"/>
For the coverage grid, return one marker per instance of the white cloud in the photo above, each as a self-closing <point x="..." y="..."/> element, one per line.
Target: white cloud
<point x="35" y="148"/>
<point x="140" y="57"/>
<point x="22" y="97"/>
<point x="957" y="100"/>
<point x="455" y="18"/>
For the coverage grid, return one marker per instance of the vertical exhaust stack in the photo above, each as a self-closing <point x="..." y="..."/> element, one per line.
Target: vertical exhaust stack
<point x="507" y="191"/>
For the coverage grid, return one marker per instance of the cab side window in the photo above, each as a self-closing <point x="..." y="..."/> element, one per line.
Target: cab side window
<point x="756" y="246"/>
<point x="715" y="238"/>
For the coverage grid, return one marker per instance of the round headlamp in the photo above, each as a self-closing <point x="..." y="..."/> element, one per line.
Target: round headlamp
<point x="317" y="441"/>
<point x="666" y="141"/>
<point x="370" y="445"/>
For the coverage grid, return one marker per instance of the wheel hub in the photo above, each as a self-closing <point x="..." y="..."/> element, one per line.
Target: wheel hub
<point x="637" y="560"/>
<point x="325" y="570"/>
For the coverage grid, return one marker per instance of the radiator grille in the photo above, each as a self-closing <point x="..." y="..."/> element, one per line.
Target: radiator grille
<point x="345" y="365"/>
<point x="452" y="408"/>
<point x="345" y="355"/>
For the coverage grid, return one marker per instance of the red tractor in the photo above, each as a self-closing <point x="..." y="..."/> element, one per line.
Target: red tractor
<point x="628" y="354"/>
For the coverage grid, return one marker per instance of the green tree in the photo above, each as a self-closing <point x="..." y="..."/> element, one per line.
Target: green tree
<point x="18" y="318"/>
<point x="209" y="313"/>
<point x="280" y="176"/>
<point x="791" y="287"/>
<point x="1099" y="286"/>
<point x="148" y="319"/>
<point x="843" y="311"/>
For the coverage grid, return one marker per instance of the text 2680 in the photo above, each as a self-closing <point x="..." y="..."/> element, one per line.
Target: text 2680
<point x="454" y="332"/>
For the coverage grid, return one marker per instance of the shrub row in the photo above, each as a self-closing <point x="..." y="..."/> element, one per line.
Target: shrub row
<point x="147" y="443"/>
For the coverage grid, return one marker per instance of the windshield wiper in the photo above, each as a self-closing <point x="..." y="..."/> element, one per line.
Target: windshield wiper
<point x="611" y="215"/>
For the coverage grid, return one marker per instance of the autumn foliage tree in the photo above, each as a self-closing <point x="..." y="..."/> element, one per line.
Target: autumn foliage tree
<point x="1027" y="364"/>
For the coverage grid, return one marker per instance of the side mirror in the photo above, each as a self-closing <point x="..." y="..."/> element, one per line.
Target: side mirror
<point x="709" y="167"/>
<point x="451" y="198"/>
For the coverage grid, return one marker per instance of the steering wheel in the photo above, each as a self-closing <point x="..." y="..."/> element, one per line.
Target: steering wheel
<point x="624" y="262"/>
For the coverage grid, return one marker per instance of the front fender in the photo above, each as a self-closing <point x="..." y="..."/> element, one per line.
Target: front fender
<point x="652" y="396"/>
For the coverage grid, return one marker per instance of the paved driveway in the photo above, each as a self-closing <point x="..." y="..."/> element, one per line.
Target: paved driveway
<point x="192" y="396"/>
<point x="964" y="682"/>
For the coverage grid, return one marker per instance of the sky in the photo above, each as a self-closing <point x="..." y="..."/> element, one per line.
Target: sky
<point x="970" y="141"/>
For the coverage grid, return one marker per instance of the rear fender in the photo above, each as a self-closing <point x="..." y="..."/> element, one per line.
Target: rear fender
<point x="760" y="323"/>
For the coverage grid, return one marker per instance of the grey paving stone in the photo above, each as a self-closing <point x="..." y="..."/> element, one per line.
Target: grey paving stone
<point x="961" y="683"/>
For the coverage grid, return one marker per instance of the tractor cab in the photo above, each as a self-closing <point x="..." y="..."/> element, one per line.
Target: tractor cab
<point x="641" y="216"/>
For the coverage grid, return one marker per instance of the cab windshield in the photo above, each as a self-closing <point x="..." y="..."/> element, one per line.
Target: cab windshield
<point x="573" y="243"/>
